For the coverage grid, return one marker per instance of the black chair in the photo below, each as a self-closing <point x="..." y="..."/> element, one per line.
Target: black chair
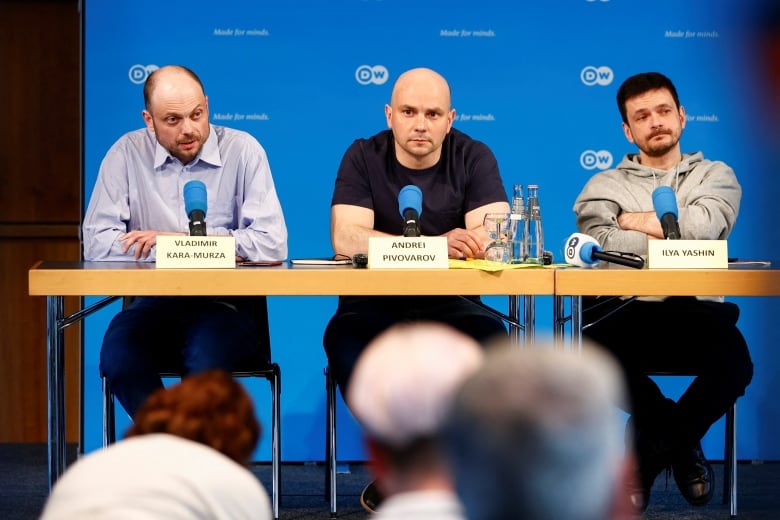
<point x="331" y="459"/>
<point x="730" y="430"/>
<point x="729" y="452"/>
<point x="261" y="367"/>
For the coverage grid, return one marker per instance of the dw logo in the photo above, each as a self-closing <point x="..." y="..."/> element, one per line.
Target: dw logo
<point x="139" y="73"/>
<point x="365" y="74"/>
<point x="570" y="247"/>
<point x="591" y="159"/>
<point x="591" y="75"/>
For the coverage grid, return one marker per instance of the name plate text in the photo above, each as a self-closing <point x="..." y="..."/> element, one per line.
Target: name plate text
<point x="687" y="254"/>
<point x="407" y="253"/>
<point x="186" y="252"/>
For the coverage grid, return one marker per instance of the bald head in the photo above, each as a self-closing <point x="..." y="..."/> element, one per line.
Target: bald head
<point x="170" y="77"/>
<point x="425" y="80"/>
<point x="177" y="111"/>
<point x="420" y="116"/>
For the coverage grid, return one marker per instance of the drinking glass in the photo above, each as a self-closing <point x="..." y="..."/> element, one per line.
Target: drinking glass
<point x="497" y="226"/>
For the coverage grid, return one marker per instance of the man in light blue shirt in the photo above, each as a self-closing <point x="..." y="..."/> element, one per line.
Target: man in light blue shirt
<point x="139" y="196"/>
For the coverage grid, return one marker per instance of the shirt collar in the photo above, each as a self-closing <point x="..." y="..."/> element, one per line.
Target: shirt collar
<point x="208" y="154"/>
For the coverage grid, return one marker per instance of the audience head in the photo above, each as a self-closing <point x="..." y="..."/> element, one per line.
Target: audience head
<point x="210" y="407"/>
<point x="400" y="393"/>
<point x="535" y="433"/>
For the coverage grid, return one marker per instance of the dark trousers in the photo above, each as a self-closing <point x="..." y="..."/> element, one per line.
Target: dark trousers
<point x="358" y="320"/>
<point x="679" y="335"/>
<point x="186" y="334"/>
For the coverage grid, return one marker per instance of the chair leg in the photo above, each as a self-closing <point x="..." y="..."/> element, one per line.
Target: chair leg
<point x="730" y="461"/>
<point x="109" y="422"/>
<point x="325" y="372"/>
<point x="276" y="439"/>
<point x="330" y="442"/>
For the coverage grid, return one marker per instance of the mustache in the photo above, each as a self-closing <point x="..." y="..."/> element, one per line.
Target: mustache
<point x="186" y="138"/>
<point x="660" y="132"/>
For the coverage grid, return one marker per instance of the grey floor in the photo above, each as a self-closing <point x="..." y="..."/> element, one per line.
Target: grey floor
<point x="24" y="469"/>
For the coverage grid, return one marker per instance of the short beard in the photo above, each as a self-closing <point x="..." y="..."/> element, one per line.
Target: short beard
<point x="659" y="152"/>
<point x="662" y="150"/>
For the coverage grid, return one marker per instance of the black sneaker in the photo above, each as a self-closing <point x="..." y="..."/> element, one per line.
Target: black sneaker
<point x="694" y="475"/>
<point x="370" y="497"/>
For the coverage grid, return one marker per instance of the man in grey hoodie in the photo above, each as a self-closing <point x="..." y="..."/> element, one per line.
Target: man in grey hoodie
<point x="616" y="208"/>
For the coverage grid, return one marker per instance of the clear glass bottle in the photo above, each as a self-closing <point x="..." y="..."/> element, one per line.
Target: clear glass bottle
<point x="517" y="226"/>
<point x="534" y="236"/>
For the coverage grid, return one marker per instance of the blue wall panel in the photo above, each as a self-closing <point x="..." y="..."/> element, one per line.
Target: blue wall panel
<point x="534" y="80"/>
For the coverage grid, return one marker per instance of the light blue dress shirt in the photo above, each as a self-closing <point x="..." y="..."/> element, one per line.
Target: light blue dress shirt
<point x="140" y="187"/>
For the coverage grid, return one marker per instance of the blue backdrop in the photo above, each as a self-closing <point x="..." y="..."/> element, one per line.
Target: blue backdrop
<point x="536" y="81"/>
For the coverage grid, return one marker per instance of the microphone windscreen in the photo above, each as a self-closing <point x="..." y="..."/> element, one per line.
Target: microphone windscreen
<point x="586" y="253"/>
<point x="664" y="201"/>
<point x="579" y="250"/>
<point x="410" y="197"/>
<point x="195" y="197"/>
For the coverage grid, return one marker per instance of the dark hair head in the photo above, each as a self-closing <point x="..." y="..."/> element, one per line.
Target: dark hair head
<point x="641" y="83"/>
<point x="151" y="81"/>
<point x="210" y="408"/>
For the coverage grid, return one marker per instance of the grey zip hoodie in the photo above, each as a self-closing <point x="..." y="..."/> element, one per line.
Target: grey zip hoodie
<point x="708" y="196"/>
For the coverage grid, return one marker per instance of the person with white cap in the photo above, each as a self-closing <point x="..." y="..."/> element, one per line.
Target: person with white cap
<point x="400" y="393"/>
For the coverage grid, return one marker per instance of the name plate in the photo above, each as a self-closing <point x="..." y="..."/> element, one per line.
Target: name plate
<point x="687" y="254"/>
<point x="185" y="252"/>
<point x="407" y="253"/>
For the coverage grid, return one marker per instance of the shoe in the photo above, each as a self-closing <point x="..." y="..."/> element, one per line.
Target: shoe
<point x="371" y="497"/>
<point x="639" y="495"/>
<point x="639" y="488"/>
<point x="653" y="455"/>
<point x="694" y="475"/>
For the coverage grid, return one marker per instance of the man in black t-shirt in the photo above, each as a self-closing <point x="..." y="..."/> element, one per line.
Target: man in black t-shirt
<point x="460" y="183"/>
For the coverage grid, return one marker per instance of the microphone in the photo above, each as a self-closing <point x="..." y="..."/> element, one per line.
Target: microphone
<point x="584" y="251"/>
<point x="195" y="205"/>
<point x="410" y="207"/>
<point x="665" y="204"/>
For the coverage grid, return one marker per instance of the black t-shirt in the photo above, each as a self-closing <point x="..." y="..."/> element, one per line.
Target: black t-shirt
<point x="465" y="178"/>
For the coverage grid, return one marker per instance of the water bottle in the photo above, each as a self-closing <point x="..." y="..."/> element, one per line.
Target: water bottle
<point x="517" y="229"/>
<point x="534" y="237"/>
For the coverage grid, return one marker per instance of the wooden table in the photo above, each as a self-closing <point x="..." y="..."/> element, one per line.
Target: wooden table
<point x="55" y="280"/>
<point x="737" y="280"/>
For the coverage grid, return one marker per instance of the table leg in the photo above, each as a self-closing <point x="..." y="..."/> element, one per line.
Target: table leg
<point x="530" y="319"/>
<point x="514" y="313"/>
<point x="560" y="319"/>
<point x="576" y="321"/>
<point x="55" y="357"/>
